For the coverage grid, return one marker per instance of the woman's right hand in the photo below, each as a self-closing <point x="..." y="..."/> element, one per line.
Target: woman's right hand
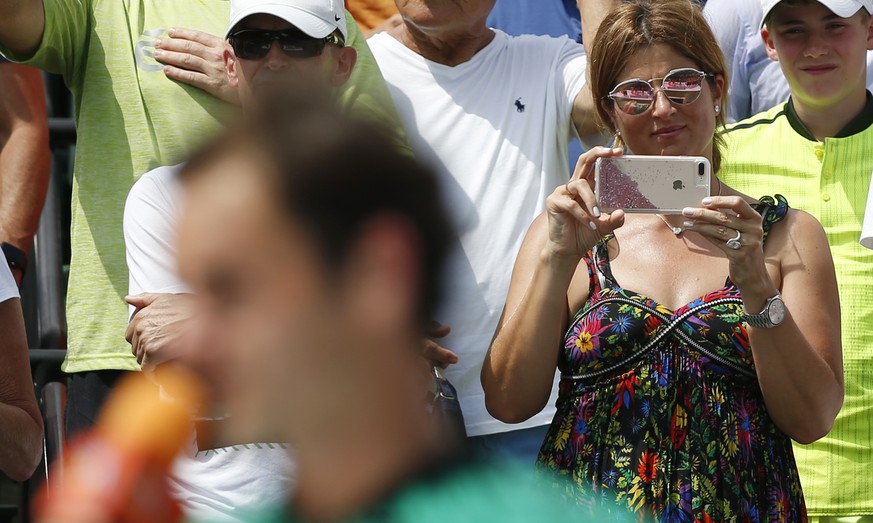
<point x="575" y="222"/>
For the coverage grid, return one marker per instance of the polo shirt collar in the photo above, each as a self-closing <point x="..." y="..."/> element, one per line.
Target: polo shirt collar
<point x="862" y="121"/>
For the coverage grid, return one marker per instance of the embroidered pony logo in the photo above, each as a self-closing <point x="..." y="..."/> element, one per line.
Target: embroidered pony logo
<point x="519" y="106"/>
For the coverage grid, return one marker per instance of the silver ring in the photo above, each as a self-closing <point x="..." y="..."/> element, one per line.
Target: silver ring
<point x="734" y="243"/>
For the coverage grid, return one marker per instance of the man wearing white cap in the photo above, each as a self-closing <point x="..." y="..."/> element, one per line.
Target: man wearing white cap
<point x="276" y="44"/>
<point x="817" y="150"/>
<point x="311" y="49"/>
<point x="137" y="107"/>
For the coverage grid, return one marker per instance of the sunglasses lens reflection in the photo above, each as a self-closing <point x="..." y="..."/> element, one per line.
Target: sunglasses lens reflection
<point x="681" y="87"/>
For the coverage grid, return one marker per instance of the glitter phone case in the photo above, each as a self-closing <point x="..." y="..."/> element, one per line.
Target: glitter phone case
<point x="651" y="184"/>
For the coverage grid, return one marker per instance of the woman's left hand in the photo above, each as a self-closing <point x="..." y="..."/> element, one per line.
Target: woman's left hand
<point x="732" y="225"/>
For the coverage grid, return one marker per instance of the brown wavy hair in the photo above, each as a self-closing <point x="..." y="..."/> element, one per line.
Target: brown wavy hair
<point x="636" y="26"/>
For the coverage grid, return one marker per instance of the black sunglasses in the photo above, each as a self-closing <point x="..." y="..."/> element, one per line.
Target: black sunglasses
<point x="255" y="44"/>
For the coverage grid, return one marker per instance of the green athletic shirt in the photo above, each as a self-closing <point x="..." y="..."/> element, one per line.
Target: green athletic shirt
<point x="130" y="119"/>
<point x="774" y="153"/>
<point x="472" y="493"/>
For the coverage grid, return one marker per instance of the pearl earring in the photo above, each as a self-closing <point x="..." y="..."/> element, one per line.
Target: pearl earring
<point x="717" y="109"/>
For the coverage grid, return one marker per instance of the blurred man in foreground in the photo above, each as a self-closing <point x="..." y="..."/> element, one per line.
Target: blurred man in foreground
<point x="273" y="44"/>
<point x="314" y="249"/>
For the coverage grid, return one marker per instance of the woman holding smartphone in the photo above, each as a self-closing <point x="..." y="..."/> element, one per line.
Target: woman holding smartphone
<point x="692" y="349"/>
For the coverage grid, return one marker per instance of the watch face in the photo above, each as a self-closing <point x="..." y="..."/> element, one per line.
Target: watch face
<point x="776" y="311"/>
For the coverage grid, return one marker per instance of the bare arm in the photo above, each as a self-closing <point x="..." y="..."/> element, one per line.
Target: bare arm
<point x="520" y="365"/>
<point x="799" y="362"/>
<point x="593" y="12"/>
<point x="547" y="282"/>
<point x="21" y="25"/>
<point x="584" y="115"/>
<point x="21" y="430"/>
<point x="24" y="156"/>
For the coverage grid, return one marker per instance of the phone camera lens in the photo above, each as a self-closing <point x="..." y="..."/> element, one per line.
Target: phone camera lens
<point x="700" y="169"/>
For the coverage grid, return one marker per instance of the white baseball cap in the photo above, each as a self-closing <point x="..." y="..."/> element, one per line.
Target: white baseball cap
<point x="841" y="8"/>
<point x="317" y="18"/>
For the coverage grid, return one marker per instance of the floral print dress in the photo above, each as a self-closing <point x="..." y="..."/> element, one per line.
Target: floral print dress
<point x="660" y="411"/>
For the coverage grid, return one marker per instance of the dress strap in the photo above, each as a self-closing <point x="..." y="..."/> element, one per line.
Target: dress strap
<point x="772" y="210"/>
<point x="602" y="267"/>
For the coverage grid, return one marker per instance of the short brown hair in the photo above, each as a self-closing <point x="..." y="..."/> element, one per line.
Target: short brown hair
<point x="639" y="25"/>
<point x="335" y="174"/>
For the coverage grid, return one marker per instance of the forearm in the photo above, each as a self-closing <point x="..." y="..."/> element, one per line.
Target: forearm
<point x="798" y="362"/>
<point x="24" y="172"/>
<point x="802" y="392"/>
<point x="584" y="112"/>
<point x="593" y="12"/>
<point x="21" y="439"/>
<point x="24" y="153"/>
<point x="518" y="372"/>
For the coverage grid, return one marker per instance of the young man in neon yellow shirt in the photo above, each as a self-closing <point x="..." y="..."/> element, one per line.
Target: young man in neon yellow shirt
<point x="817" y="150"/>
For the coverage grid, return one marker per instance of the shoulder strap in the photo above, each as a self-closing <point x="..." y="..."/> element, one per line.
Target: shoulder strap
<point x="772" y="210"/>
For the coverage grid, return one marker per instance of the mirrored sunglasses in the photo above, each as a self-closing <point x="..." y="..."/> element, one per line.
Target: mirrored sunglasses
<point x="255" y="44"/>
<point x="681" y="86"/>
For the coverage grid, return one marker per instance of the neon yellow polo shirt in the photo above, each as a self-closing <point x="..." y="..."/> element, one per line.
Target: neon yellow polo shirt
<point x="773" y="152"/>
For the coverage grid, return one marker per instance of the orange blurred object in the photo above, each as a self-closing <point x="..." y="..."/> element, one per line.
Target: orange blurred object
<point x="117" y="472"/>
<point x="371" y="13"/>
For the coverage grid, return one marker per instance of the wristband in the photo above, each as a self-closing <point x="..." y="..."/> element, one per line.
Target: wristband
<point x="15" y="257"/>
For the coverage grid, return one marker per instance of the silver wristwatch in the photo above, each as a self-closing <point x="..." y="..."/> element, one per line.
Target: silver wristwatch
<point x="772" y="315"/>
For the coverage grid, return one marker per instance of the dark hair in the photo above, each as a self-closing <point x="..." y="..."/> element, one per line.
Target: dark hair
<point x="335" y="174"/>
<point x="639" y="25"/>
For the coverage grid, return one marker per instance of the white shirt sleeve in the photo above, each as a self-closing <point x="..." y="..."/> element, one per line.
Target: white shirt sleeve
<point x="8" y="288"/>
<point x="151" y="217"/>
<point x="724" y="19"/>
<point x="571" y="68"/>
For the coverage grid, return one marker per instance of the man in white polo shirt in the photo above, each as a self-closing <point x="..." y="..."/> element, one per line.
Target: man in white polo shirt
<point x="494" y="115"/>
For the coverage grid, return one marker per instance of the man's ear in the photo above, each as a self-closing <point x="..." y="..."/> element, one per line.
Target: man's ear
<point x="230" y="67"/>
<point x="770" y="46"/>
<point x="383" y="276"/>
<point x="870" y="32"/>
<point x="346" y="58"/>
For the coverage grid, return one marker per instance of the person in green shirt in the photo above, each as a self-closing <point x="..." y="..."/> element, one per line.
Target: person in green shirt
<point x="131" y="117"/>
<point x="817" y="150"/>
<point x="314" y="250"/>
